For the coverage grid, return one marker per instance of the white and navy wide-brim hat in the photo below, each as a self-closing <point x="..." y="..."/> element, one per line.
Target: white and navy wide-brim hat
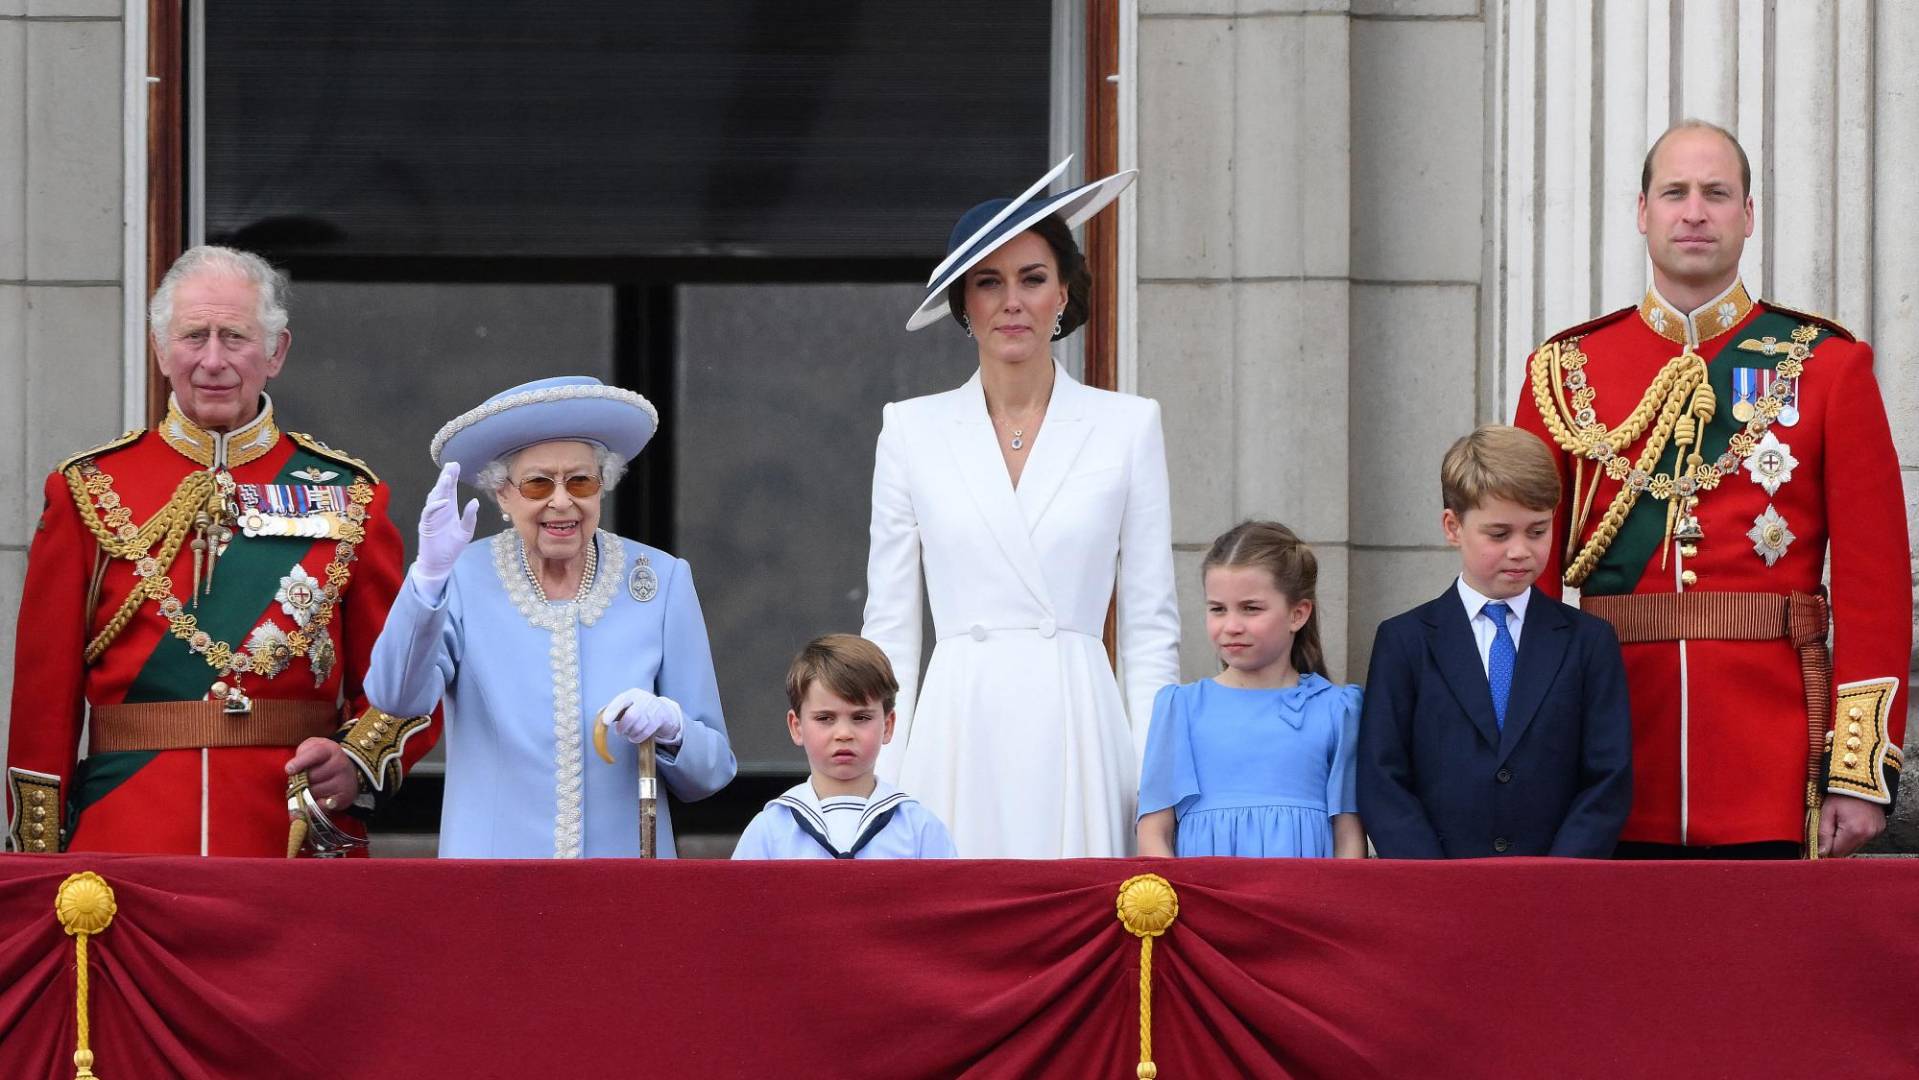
<point x="570" y="407"/>
<point x="986" y="227"/>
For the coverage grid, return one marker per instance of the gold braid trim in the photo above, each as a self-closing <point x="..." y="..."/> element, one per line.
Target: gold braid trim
<point x="374" y="743"/>
<point x="38" y="810"/>
<point x="1862" y="746"/>
<point x="119" y="538"/>
<point x="1666" y="398"/>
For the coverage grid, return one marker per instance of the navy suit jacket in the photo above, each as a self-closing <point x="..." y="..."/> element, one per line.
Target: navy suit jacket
<point x="1439" y="779"/>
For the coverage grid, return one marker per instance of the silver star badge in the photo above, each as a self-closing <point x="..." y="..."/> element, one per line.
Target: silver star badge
<point x="299" y="594"/>
<point x="1769" y="535"/>
<point x="1771" y="464"/>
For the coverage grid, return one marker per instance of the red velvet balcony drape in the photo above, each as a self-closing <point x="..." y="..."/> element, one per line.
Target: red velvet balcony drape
<point x="1521" y="968"/>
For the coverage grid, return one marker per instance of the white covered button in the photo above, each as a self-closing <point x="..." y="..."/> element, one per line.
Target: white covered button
<point x="978" y="632"/>
<point x="1047" y="628"/>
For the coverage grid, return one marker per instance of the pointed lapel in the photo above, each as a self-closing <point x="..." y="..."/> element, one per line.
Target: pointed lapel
<point x="977" y="459"/>
<point x="1542" y="648"/>
<point x="1450" y="637"/>
<point x="1057" y="447"/>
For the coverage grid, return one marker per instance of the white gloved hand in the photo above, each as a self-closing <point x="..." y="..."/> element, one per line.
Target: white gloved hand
<point x="444" y="532"/>
<point x="638" y="715"/>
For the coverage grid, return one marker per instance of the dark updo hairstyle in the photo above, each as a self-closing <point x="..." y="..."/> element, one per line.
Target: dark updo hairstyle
<point x="1072" y="270"/>
<point x="1274" y="548"/>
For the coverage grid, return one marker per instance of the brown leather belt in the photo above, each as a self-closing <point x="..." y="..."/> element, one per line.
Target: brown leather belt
<point x="190" y="725"/>
<point x="1800" y="618"/>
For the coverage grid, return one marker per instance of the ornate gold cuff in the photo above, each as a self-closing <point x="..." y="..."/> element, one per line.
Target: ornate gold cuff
<point x="1861" y="750"/>
<point x="374" y="743"/>
<point x="38" y="811"/>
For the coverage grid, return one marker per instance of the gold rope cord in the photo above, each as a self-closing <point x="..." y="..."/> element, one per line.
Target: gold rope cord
<point x="85" y="906"/>
<point x="1668" y="396"/>
<point x="168" y="528"/>
<point x="1147" y="907"/>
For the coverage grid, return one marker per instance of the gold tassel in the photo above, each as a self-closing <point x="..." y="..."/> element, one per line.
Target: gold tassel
<point x="1812" y="819"/>
<point x="85" y="907"/>
<point x="296" y="836"/>
<point x="1147" y="907"/>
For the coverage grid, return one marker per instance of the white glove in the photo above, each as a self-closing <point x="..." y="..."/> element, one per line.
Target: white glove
<point x="638" y="715"/>
<point x="444" y="533"/>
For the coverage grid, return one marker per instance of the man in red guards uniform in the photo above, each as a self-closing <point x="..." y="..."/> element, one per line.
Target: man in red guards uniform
<point x="211" y="589"/>
<point x="1715" y="449"/>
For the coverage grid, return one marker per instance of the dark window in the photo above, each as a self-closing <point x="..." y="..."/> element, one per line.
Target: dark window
<point x="618" y="128"/>
<point x="730" y="206"/>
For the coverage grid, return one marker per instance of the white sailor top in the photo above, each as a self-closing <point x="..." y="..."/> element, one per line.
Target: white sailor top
<point x="889" y="824"/>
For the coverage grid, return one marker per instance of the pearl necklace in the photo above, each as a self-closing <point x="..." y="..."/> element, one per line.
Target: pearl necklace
<point x="586" y="575"/>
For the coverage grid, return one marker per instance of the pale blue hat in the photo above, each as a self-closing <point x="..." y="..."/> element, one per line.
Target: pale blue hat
<point x="572" y="407"/>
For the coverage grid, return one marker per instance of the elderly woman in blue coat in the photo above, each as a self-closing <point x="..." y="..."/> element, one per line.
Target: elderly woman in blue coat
<point x="532" y="635"/>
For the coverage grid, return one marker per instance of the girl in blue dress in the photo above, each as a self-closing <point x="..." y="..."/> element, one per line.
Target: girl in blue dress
<point x="1257" y="760"/>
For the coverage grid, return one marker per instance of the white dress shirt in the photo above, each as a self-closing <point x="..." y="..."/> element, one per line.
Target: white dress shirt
<point x="1482" y="622"/>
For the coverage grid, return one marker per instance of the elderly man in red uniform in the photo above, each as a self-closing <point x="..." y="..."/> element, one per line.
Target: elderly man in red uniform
<point x="204" y="598"/>
<point x="1716" y="449"/>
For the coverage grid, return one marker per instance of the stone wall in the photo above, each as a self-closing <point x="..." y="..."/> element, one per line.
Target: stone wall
<point x="61" y="239"/>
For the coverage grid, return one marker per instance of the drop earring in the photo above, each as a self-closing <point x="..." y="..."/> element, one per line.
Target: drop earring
<point x="1058" y="318"/>
<point x="966" y="324"/>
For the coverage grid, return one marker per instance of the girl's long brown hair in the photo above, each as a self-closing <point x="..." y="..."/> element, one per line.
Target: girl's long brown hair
<point x="1273" y="547"/>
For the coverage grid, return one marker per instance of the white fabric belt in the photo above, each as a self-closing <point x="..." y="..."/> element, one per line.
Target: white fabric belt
<point x="1045" y="628"/>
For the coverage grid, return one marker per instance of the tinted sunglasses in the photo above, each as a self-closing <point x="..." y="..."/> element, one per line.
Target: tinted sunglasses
<point x="541" y="487"/>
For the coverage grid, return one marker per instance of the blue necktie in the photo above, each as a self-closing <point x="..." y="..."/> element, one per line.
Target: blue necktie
<point x="1499" y="660"/>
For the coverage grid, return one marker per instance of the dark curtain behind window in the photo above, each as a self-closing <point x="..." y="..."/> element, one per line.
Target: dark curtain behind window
<point x="617" y="128"/>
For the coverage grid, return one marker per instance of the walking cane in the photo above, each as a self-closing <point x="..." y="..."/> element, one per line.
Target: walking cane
<point x="649" y="786"/>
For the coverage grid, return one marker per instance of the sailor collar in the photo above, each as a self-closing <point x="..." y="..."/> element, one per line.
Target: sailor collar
<point x="220" y="449"/>
<point x="806" y="807"/>
<point x="1708" y="321"/>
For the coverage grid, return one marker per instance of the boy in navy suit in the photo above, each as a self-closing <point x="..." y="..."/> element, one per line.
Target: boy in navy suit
<point x="1495" y="717"/>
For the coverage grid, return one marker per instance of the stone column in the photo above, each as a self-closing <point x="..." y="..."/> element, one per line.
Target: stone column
<point x="1244" y="278"/>
<point x="60" y="260"/>
<point x="1419" y="226"/>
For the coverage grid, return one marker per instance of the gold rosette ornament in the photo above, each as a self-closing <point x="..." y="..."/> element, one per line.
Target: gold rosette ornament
<point x="85" y="906"/>
<point x="1147" y="907"/>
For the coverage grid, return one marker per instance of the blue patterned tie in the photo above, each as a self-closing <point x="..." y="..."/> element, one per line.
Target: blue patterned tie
<point x="1499" y="661"/>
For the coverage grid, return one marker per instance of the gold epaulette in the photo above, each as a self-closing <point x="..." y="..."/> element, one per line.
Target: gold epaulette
<point x="314" y="445"/>
<point x="1590" y="325"/>
<point x="1826" y="321"/>
<point x="123" y="439"/>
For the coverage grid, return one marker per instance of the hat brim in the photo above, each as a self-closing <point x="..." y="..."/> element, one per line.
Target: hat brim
<point x="1074" y="206"/>
<point x="609" y="416"/>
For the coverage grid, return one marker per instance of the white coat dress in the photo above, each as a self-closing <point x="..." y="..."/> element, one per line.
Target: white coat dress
<point x="1020" y="739"/>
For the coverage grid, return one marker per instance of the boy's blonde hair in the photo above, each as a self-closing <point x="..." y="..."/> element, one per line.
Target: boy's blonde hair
<point x="1499" y="461"/>
<point x="849" y="665"/>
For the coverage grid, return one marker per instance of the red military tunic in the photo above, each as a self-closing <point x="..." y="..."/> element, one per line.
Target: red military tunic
<point x="267" y="624"/>
<point x="1720" y="725"/>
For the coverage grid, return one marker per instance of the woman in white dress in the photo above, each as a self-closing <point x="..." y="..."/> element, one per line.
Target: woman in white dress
<point x="1025" y="498"/>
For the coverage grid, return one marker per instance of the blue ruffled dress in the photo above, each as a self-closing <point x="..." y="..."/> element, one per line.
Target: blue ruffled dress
<point x="1252" y="772"/>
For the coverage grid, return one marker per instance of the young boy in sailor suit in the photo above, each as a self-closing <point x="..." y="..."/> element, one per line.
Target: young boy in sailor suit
<point x="841" y="689"/>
